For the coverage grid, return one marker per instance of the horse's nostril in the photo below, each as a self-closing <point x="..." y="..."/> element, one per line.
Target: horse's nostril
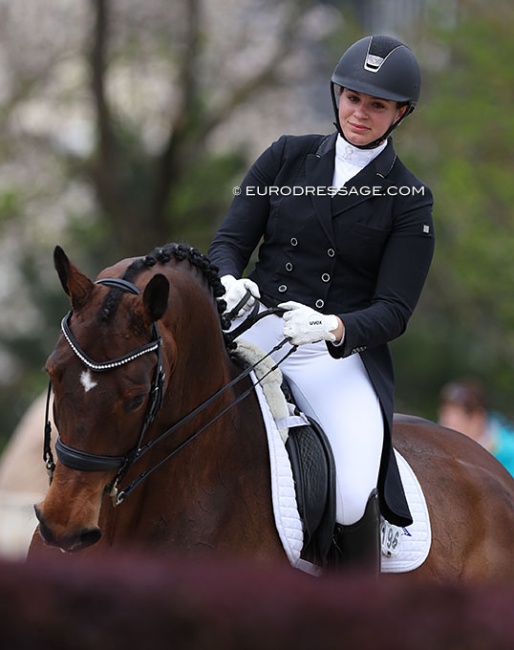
<point x="71" y="542"/>
<point x="90" y="537"/>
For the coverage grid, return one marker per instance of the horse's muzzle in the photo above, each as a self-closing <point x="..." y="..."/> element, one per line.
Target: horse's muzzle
<point x="70" y="542"/>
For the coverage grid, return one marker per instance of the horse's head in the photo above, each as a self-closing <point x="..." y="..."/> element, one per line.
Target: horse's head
<point x="109" y="372"/>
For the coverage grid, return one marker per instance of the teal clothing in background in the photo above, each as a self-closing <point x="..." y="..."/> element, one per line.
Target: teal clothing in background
<point x="501" y="436"/>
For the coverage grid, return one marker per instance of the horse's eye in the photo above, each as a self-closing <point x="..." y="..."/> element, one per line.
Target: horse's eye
<point x="134" y="403"/>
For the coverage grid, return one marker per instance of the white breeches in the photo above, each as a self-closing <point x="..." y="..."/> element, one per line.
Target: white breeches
<point x="338" y="394"/>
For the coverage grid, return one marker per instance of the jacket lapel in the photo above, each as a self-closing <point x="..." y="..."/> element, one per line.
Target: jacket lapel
<point x="371" y="179"/>
<point x="320" y="173"/>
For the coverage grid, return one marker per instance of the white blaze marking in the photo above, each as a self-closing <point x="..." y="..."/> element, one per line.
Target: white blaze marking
<point x="87" y="381"/>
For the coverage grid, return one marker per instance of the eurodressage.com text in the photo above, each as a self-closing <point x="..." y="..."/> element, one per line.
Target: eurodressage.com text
<point x="322" y="190"/>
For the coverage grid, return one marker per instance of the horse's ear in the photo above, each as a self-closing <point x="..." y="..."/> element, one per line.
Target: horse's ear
<point x="77" y="285"/>
<point x="62" y="266"/>
<point x="155" y="296"/>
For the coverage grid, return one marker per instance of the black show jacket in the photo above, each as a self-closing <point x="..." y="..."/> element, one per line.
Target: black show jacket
<point x="362" y="253"/>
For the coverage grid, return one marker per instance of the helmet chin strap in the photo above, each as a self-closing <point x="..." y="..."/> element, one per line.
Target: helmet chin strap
<point x="373" y="144"/>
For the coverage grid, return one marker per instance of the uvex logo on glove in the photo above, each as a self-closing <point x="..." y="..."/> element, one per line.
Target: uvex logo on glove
<point x="303" y="324"/>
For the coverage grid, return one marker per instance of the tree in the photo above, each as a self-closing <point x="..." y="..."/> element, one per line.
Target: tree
<point x="114" y="139"/>
<point x="464" y="131"/>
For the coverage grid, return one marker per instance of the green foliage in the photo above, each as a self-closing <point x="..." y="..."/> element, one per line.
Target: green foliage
<point x="10" y="206"/>
<point x="464" y="324"/>
<point x="199" y="202"/>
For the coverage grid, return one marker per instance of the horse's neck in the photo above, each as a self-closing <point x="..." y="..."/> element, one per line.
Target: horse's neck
<point x="203" y="368"/>
<point x="217" y="482"/>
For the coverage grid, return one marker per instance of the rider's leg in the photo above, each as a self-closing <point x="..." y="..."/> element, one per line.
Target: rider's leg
<point x="338" y="394"/>
<point x="358" y="546"/>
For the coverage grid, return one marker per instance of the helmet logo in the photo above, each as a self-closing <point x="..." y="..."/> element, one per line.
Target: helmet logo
<point x="373" y="63"/>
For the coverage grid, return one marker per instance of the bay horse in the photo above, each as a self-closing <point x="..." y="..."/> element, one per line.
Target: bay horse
<point x="142" y="352"/>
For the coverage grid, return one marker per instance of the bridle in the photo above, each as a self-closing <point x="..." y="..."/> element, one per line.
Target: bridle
<point x="85" y="461"/>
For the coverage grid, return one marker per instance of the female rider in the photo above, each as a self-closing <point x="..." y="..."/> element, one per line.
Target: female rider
<point x="345" y="240"/>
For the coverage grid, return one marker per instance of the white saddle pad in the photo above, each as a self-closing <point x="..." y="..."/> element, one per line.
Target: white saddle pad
<point x="287" y="519"/>
<point x="403" y="549"/>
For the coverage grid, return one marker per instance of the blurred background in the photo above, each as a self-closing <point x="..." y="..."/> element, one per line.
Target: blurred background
<point x="125" y="125"/>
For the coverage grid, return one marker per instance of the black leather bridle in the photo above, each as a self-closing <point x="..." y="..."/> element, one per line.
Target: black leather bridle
<point x="85" y="461"/>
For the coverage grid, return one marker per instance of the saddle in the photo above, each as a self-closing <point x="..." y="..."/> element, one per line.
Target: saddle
<point x="313" y="469"/>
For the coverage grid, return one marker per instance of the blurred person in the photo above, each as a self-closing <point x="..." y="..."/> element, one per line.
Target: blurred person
<point x="463" y="406"/>
<point x="345" y="240"/>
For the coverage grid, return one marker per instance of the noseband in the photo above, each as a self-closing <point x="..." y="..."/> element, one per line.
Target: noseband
<point x="83" y="460"/>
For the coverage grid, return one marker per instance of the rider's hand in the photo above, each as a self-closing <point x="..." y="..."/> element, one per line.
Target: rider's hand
<point x="235" y="292"/>
<point x="305" y="325"/>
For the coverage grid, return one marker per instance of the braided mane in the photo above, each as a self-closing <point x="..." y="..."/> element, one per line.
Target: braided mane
<point x="180" y="252"/>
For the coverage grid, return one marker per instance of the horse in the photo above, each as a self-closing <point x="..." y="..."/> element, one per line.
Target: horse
<point x="153" y="409"/>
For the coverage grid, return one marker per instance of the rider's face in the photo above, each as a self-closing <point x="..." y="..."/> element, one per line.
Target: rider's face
<point x="364" y="118"/>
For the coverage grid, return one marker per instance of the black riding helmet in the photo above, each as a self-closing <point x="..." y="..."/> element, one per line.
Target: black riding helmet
<point x="382" y="67"/>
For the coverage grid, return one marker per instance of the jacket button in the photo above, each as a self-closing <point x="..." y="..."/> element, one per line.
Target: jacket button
<point x="325" y="277"/>
<point x="282" y="288"/>
<point x="331" y="252"/>
<point x="289" y="266"/>
<point x="293" y="241"/>
<point x="320" y="303"/>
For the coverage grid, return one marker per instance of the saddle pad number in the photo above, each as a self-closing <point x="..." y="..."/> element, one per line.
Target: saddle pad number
<point x="391" y="537"/>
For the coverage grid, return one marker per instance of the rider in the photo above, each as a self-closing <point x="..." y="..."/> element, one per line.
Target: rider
<point x="345" y="239"/>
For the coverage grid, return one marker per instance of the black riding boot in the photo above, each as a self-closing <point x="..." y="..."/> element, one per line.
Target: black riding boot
<point x="357" y="547"/>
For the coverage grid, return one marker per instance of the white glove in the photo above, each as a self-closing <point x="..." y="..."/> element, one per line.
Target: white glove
<point x="235" y="292"/>
<point x="305" y="325"/>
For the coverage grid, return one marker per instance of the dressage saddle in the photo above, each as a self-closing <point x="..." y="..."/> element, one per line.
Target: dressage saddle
<point x="313" y="470"/>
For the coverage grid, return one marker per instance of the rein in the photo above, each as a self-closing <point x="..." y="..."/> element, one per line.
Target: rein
<point x="119" y="496"/>
<point x="85" y="461"/>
